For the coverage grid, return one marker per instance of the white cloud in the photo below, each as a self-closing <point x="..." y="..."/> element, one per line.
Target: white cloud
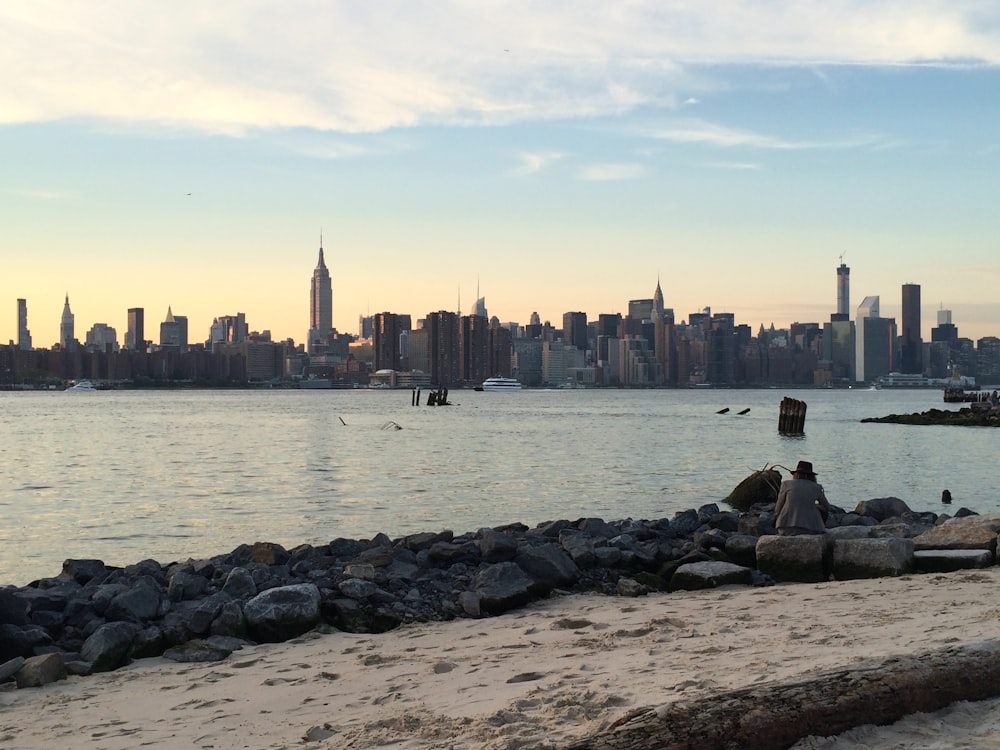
<point x="41" y="195"/>
<point x="360" y="67"/>
<point x="610" y="172"/>
<point x="535" y="162"/>
<point x="712" y="134"/>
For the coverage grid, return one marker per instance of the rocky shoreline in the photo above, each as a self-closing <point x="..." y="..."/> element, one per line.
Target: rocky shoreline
<point x="977" y="415"/>
<point x="93" y="617"/>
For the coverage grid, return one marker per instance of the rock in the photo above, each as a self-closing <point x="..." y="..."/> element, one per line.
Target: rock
<point x="496" y="546"/>
<point x="269" y="553"/>
<point x="630" y="587"/>
<point x="968" y="532"/>
<point x="136" y="604"/>
<point x="197" y="651"/>
<point x="13" y="609"/>
<point x="805" y="559"/>
<point x="759" y="487"/>
<point x="742" y="550"/>
<point x="548" y="565"/>
<point x="685" y="522"/>
<point x="282" y="613"/>
<point x="502" y="587"/>
<point x="417" y="542"/>
<point x="41" y="670"/>
<point x="9" y="668"/>
<point x="579" y="546"/>
<point x="362" y="571"/>
<point x="21" y="640"/>
<point x="470" y="604"/>
<point x="186" y="586"/>
<point x="110" y="646"/>
<point x="239" y="584"/>
<point x="881" y="508"/>
<point x="850" y="532"/>
<point x="948" y="560"/>
<point x="708" y="575"/>
<point x="84" y="571"/>
<point x="871" y="558"/>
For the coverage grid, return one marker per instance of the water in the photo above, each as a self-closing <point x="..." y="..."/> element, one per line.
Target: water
<point x="128" y="475"/>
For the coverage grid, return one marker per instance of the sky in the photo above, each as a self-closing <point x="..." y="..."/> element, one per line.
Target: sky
<point x="555" y="156"/>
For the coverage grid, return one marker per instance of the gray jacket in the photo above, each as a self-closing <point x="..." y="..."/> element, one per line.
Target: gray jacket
<point x="798" y="506"/>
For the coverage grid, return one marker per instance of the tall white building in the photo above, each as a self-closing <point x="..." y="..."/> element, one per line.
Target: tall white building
<point x="23" y="334"/>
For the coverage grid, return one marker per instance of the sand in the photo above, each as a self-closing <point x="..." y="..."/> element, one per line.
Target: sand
<point x="535" y="678"/>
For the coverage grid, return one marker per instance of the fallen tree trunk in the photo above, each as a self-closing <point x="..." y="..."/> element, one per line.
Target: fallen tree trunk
<point x="777" y="715"/>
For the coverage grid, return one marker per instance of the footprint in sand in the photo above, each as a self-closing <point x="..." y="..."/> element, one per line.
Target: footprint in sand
<point x="569" y="623"/>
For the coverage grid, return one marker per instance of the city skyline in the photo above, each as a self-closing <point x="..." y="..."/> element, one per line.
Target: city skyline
<point x="558" y="159"/>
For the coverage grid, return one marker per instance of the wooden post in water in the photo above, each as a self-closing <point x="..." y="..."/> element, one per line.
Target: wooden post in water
<point x="792" y="417"/>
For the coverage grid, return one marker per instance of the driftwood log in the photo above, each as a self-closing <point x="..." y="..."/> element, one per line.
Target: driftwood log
<point x="777" y="715"/>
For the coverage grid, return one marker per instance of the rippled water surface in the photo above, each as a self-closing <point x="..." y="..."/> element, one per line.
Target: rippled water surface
<point x="127" y="475"/>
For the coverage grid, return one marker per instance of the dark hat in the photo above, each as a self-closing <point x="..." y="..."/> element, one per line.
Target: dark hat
<point x="806" y="468"/>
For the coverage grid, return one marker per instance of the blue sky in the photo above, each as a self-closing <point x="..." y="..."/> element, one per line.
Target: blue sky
<point x="561" y="156"/>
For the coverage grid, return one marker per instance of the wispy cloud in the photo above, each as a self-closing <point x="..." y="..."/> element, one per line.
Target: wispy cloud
<point x="610" y="172"/>
<point x="35" y="194"/>
<point x="363" y="67"/>
<point x="735" y="165"/>
<point x="712" y="134"/>
<point x="535" y="162"/>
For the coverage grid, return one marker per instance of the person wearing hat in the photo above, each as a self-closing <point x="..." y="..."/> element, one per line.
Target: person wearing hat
<point x="801" y="505"/>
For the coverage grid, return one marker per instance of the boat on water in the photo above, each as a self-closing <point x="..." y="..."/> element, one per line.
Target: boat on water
<point x="501" y="384"/>
<point x="81" y="386"/>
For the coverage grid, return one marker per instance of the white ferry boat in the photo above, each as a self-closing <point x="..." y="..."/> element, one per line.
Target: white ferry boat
<point x="81" y="386"/>
<point x="501" y="384"/>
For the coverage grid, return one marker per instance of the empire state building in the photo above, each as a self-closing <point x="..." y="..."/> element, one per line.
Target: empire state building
<point x="320" y="306"/>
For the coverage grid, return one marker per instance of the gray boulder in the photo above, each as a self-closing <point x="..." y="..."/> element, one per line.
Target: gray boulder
<point x="548" y="565"/>
<point x="186" y="586"/>
<point x="804" y="559"/>
<point x="881" y="508"/>
<point x="968" y="532"/>
<point x="41" y="670"/>
<point x="709" y="575"/>
<point x="872" y="558"/>
<point x="240" y="584"/>
<point x="742" y="550"/>
<point x="283" y="612"/>
<point x="9" y="668"/>
<point x="502" y="587"/>
<point x="949" y="560"/>
<point x="497" y="546"/>
<point x="579" y="546"/>
<point x="136" y="604"/>
<point x="110" y="646"/>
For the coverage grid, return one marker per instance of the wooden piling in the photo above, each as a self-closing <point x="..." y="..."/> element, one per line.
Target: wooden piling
<point x="792" y="417"/>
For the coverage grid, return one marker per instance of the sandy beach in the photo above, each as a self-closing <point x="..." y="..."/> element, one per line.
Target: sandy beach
<point x="540" y="677"/>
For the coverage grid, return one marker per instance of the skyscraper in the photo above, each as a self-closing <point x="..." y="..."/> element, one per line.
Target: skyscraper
<point x="874" y="337"/>
<point x="135" y="337"/>
<point x="843" y="293"/>
<point x="911" y="345"/>
<point x="66" y="335"/>
<point x="657" y="300"/>
<point x="320" y="305"/>
<point x="575" y="329"/>
<point x="23" y="334"/>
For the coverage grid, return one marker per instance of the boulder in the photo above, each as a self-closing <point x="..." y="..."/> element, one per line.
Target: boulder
<point x="136" y="604"/>
<point x="83" y="571"/>
<point x="948" y="560"/>
<point x="804" y="559"/>
<point x="13" y="609"/>
<point x="967" y="532"/>
<point x="10" y="667"/>
<point x="502" y="587"/>
<point x="850" y="532"/>
<point x="497" y="546"/>
<point x="283" y="612"/>
<point x="21" y="640"/>
<point x="881" y="508"/>
<point x="709" y="575"/>
<point x="110" y="646"/>
<point x="548" y="565"/>
<point x="186" y="586"/>
<point x="872" y="558"/>
<point x="742" y="550"/>
<point x="760" y="487"/>
<point x="240" y="584"/>
<point x="41" y="670"/>
<point x="579" y="546"/>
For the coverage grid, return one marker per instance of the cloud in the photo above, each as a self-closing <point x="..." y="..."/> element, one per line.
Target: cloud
<point x="731" y="165"/>
<point x="362" y="67"/>
<point x="611" y="172"/>
<point x="535" y="162"/>
<point x="712" y="134"/>
<point x="34" y="194"/>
